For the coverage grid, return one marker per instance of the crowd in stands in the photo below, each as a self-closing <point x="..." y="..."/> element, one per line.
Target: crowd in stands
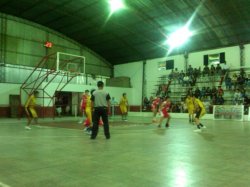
<point x="236" y="84"/>
<point x="190" y="77"/>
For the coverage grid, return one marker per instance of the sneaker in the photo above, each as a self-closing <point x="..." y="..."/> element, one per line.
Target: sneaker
<point x="167" y="125"/>
<point x="204" y="127"/>
<point x="85" y="129"/>
<point x="125" y="120"/>
<point x="89" y="132"/>
<point x="27" y="128"/>
<point x="197" y="130"/>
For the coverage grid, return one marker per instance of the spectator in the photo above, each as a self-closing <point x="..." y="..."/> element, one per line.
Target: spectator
<point x="203" y="93"/>
<point x="220" y="91"/>
<point x="196" y="73"/>
<point x="225" y="68"/>
<point x="58" y="105"/>
<point x="213" y="99"/>
<point x="180" y="77"/>
<point x="247" y="82"/>
<point x="240" y="81"/>
<point x="176" y="74"/>
<point x="145" y="103"/>
<point x="220" y="100"/>
<point x="246" y="103"/>
<point x="234" y="81"/>
<point x="242" y="72"/>
<point x="186" y="80"/>
<point x="171" y="75"/>
<point x="237" y="97"/>
<point x="199" y="71"/>
<point x="228" y="82"/>
<point x="190" y="70"/>
<point x="205" y="70"/>
<point x="192" y="80"/>
<point x="207" y="106"/>
<point x="218" y="69"/>
<point x="212" y="70"/>
<point x="190" y="91"/>
<point x="213" y="92"/>
<point x="208" y="92"/>
<point x="243" y="92"/>
<point x="197" y="93"/>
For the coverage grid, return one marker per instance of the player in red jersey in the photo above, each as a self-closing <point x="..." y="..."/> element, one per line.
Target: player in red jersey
<point x="164" y="108"/>
<point x="155" y="107"/>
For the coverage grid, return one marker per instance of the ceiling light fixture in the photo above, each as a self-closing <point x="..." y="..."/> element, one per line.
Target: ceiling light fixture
<point x="116" y="5"/>
<point x="178" y="38"/>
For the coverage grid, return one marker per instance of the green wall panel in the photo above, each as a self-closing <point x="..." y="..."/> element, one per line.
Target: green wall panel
<point x="25" y="46"/>
<point x="25" y="31"/>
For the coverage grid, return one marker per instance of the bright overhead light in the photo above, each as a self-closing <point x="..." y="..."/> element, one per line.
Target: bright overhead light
<point x="179" y="37"/>
<point x="116" y="5"/>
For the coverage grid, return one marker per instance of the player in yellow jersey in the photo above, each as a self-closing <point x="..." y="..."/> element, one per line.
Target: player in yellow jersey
<point x="30" y="109"/>
<point x="123" y="106"/>
<point x="88" y="112"/>
<point x="199" y="112"/>
<point x="190" y="107"/>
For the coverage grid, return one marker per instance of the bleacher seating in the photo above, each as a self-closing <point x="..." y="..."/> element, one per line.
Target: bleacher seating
<point x="170" y="85"/>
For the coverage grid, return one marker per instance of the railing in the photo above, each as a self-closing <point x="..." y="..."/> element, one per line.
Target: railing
<point x="17" y="74"/>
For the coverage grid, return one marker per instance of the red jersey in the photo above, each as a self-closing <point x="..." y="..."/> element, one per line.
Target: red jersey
<point x="155" y="104"/>
<point x="165" y="108"/>
<point x="220" y="91"/>
<point x="84" y="102"/>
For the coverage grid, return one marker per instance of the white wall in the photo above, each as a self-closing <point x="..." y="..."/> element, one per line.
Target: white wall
<point x="113" y="91"/>
<point x="13" y="89"/>
<point x="134" y="71"/>
<point x="247" y="55"/>
<point x="152" y="73"/>
<point x="232" y="57"/>
<point x="6" y="90"/>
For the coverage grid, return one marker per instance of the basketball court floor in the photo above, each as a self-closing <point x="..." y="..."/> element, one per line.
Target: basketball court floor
<point x="59" y="153"/>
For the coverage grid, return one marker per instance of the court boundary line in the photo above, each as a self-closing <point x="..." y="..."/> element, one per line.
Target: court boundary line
<point x="3" y="184"/>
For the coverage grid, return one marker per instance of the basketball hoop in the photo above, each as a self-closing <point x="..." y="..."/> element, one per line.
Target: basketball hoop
<point x="73" y="64"/>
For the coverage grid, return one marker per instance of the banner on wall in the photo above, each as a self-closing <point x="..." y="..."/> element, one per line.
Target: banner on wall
<point x="214" y="58"/>
<point x="229" y="112"/>
<point x="167" y="65"/>
<point x="161" y="65"/>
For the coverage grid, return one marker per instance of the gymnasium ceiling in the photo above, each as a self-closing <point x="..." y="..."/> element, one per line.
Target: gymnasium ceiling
<point x="139" y="31"/>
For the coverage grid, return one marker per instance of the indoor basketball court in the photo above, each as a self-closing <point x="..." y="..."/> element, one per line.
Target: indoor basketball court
<point x="59" y="153"/>
<point x="171" y="77"/>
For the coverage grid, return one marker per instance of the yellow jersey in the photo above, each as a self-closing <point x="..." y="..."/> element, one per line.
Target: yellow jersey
<point x="199" y="106"/>
<point x="189" y="102"/>
<point x="88" y="101"/>
<point x="124" y="101"/>
<point x="31" y="102"/>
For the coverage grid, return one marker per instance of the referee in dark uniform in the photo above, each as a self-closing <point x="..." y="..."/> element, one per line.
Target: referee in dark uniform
<point x="100" y="100"/>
